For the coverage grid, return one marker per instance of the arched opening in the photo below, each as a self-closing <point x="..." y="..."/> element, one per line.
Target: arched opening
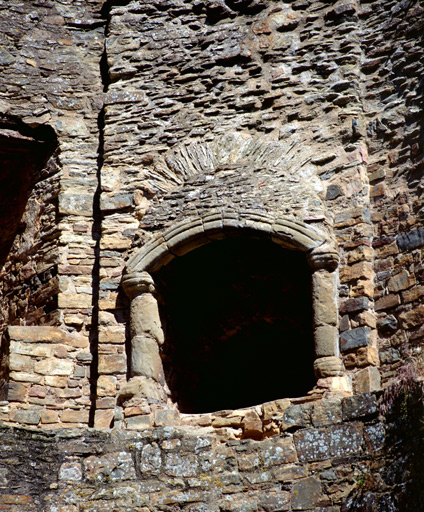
<point x="237" y="315"/>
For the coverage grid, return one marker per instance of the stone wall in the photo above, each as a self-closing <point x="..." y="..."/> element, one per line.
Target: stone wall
<point x="257" y="101"/>
<point x="148" y="128"/>
<point x="336" y="456"/>
<point x="271" y="106"/>
<point x="29" y="231"/>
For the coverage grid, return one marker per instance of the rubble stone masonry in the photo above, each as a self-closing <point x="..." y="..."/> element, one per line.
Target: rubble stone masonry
<point x="137" y="133"/>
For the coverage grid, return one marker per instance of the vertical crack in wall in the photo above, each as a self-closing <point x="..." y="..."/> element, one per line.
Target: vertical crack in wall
<point x="97" y="226"/>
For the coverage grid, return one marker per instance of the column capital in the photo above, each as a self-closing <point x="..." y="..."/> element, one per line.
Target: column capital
<point x="324" y="257"/>
<point x="136" y="283"/>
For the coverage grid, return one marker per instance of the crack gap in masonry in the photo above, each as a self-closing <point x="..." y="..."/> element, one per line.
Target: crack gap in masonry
<point x="96" y="229"/>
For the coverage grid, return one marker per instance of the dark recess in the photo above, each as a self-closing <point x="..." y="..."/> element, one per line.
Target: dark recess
<point x="238" y="322"/>
<point x="24" y="152"/>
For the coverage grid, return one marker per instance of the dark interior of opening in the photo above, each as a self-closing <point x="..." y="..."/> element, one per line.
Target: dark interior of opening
<point x="238" y="324"/>
<point x="23" y="154"/>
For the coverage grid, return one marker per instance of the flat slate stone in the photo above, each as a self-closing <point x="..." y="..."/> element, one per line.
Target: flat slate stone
<point x="305" y="493"/>
<point x="411" y="240"/>
<point x="355" y="304"/>
<point x="355" y="338"/>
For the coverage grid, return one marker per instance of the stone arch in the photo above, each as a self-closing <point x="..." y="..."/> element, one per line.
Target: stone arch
<point x="191" y="233"/>
<point x="187" y="235"/>
<point x="194" y="158"/>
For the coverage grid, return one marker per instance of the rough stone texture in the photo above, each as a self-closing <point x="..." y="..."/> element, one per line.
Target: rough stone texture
<point x="167" y="468"/>
<point x="121" y="122"/>
<point x="275" y="109"/>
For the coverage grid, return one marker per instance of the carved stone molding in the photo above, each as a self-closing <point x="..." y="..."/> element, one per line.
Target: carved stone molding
<point x="135" y="283"/>
<point x="195" y="232"/>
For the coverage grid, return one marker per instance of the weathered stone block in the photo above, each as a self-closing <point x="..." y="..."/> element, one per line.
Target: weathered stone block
<point x="326" y="340"/>
<point x="8" y="500"/>
<point x="275" y="501"/>
<point x="105" y="403"/>
<point x="20" y="363"/>
<point x="367" y="356"/>
<point x="31" y="349"/>
<point x="55" y="381"/>
<point x="367" y="380"/>
<point x="400" y="281"/>
<point x="106" y="385"/>
<point x="145" y="358"/>
<point x="24" y="377"/>
<point x="141" y="387"/>
<point x="413" y="294"/>
<point x="76" y="204"/>
<point x="413" y="317"/>
<point x="278" y="451"/>
<point x="361" y="270"/>
<point x="17" y="392"/>
<point x="54" y="366"/>
<point x="181" y="464"/>
<point x="298" y="415"/>
<point x="330" y="366"/>
<point x="337" y="441"/>
<point x="327" y="412"/>
<point x="354" y="305"/>
<point x="374" y="436"/>
<point x="112" y="336"/>
<point x="139" y="422"/>
<point x="360" y="337"/>
<point x="104" y="418"/>
<point x="363" y="287"/>
<point x="359" y="406"/>
<point x="323" y="297"/>
<point x="249" y="461"/>
<point x="115" y="467"/>
<point x="78" y="300"/>
<point x="48" y="416"/>
<point x="112" y="363"/>
<point x="166" y="418"/>
<point x="26" y="416"/>
<point x="290" y="472"/>
<point x="74" y="416"/>
<point x="145" y="320"/>
<point x="411" y="240"/>
<point x="360" y="253"/>
<point x="116" y="202"/>
<point x="387" y="301"/>
<point x="252" y="425"/>
<point x="275" y="409"/>
<point x="70" y="471"/>
<point x="305" y="493"/>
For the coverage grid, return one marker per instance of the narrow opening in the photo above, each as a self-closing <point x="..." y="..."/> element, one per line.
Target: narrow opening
<point x="238" y="325"/>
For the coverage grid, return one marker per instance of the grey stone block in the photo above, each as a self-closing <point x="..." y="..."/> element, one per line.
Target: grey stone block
<point x="360" y="337"/>
<point x="305" y="493"/>
<point x="359" y="406"/>
<point x="355" y="305"/>
<point x="411" y="240"/>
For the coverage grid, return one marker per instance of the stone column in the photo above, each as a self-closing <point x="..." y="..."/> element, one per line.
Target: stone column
<point x="324" y="261"/>
<point x="145" y="327"/>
